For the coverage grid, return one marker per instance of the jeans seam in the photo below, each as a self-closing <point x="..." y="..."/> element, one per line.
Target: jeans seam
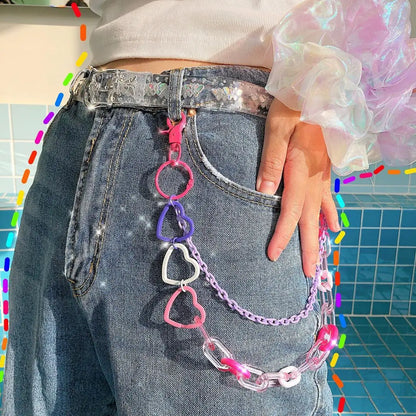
<point x="319" y="393"/>
<point x="194" y="135"/>
<point x="92" y="273"/>
<point x="73" y="224"/>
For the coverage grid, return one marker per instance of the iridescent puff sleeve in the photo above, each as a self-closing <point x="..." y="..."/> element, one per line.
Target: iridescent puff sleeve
<point x="350" y="67"/>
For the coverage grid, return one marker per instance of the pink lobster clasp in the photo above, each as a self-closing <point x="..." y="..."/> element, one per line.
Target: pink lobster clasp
<point x="175" y="134"/>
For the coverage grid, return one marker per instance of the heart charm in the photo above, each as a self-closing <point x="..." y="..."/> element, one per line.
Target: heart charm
<point x="178" y="206"/>
<point x="187" y="257"/>
<point x="198" y="320"/>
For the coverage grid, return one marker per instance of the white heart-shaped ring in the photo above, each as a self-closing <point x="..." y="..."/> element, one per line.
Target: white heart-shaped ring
<point x="189" y="259"/>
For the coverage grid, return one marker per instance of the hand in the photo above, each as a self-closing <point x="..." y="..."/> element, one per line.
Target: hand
<point x="298" y="150"/>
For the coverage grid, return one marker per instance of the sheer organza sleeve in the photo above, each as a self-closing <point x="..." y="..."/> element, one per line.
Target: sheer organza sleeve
<point x="350" y="67"/>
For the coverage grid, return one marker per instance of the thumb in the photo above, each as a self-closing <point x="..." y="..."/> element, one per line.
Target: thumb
<point x="280" y="124"/>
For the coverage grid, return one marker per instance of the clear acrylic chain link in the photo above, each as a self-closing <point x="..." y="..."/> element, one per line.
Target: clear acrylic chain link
<point x="216" y="352"/>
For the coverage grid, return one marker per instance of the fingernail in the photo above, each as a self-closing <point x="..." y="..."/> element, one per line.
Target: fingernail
<point x="338" y="226"/>
<point x="276" y="255"/>
<point x="267" y="187"/>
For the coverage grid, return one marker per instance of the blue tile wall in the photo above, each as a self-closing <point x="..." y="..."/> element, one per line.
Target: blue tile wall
<point x="19" y="125"/>
<point x="377" y="367"/>
<point x="4" y="122"/>
<point x="377" y="256"/>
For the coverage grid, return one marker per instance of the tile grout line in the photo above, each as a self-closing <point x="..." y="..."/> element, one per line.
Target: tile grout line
<point x="395" y="263"/>
<point x="357" y="265"/>
<point x="376" y="263"/>
<point x="412" y="286"/>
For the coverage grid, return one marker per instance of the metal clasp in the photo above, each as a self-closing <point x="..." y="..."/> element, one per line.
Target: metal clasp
<point x="175" y="136"/>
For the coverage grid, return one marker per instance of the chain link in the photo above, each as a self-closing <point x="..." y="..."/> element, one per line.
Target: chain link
<point x="251" y="383"/>
<point x="208" y="350"/>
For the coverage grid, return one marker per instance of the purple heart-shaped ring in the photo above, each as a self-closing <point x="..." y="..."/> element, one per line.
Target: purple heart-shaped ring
<point x="177" y="206"/>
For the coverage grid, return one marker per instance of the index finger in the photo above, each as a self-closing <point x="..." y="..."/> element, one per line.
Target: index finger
<point x="278" y="130"/>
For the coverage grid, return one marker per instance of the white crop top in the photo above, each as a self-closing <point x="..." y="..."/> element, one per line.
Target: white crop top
<point x="346" y="65"/>
<point x="219" y="31"/>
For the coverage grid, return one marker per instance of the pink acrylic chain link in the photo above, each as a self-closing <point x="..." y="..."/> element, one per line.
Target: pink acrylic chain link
<point x="216" y="352"/>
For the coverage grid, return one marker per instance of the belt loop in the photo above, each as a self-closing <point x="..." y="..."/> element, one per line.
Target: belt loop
<point x="175" y="93"/>
<point x="78" y="87"/>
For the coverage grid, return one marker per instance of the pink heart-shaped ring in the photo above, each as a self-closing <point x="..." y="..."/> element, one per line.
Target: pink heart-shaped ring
<point x="198" y="322"/>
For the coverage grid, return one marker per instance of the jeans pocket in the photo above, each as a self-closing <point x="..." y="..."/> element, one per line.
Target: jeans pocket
<point x="226" y="148"/>
<point x="94" y="196"/>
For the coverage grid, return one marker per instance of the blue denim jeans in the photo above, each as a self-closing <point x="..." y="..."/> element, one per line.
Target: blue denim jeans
<point x="87" y="335"/>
